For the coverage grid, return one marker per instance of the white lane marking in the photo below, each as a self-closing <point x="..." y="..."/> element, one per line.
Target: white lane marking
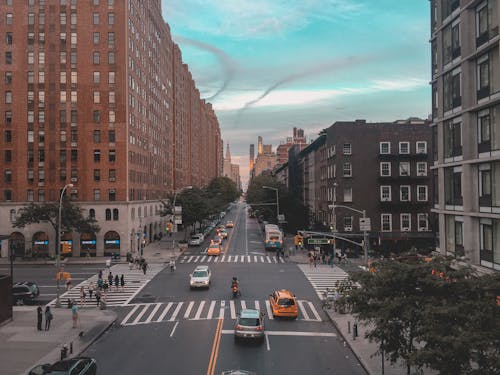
<point x="257" y="305"/>
<point x="188" y="310"/>
<point x="248" y="258"/>
<point x="267" y="343"/>
<point x="203" y="258"/>
<point x="313" y="309"/>
<point x="269" y="310"/>
<point x="246" y="234"/>
<point x="221" y="311"/>
<point x="176" y="311"/>
<point x="223" y="258"/>
<point x="134" y="294"/>
<point x="197" y="259"/>
<point x="216" y="259"/>
<point x="303" y="310"/>
<point x="211" y="310"/>
<point x="190" y="259"/>
<point x="233" y="310"/>
<point x="262" y="259"/>
<point x="141" y="314"/>
<point x="153" y="313"/>
<point x="209" y="259"/>
<point x="243" y="305"/>
<point x="165" y="311"/>
<point x="173" y="329"/>
<point x="289" y="333"/>
<point x="124" y="321"/>
<point x="268" y="259"/>
<point x="255" y="258"/>
<point x="198" y="312"/>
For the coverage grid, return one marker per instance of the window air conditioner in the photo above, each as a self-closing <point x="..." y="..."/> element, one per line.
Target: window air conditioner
<point x="74" y="179"/>
<point x="405" y="229"/>
<point x="347" y="229"/>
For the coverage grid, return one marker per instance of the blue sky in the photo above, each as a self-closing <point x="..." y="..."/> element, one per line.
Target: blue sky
<point x="270" y="65"/>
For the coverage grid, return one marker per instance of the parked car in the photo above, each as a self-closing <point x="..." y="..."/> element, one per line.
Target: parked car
<point x="73" y="366"/>
<point x="196" y="239"/>
<point x="283" y="303"/>
<point x="25" y="292"/>
<point x="249" y="325"/>
<point x="200" y="278"/>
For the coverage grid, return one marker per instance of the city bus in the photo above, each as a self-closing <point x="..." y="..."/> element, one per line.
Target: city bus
<point x="273" y="238"/>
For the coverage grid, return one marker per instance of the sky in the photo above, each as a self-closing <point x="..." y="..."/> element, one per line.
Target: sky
<point x="268" y="66"/>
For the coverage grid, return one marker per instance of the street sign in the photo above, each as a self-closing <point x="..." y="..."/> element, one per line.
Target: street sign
<point x="178" y="210"/>
<point x="317" y="241"/>
<point x="365" y="224"/>
<point x="281" y="218"/>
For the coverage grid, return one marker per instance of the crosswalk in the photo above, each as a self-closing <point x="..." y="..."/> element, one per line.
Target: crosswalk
<point x="135" y="280"/>
<point x="230" y="259"/>
<point x="323" y="276"/>
<point x="148" y="313"/>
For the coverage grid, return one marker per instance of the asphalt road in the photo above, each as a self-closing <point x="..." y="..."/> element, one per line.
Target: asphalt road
<point x="169" y="328"/>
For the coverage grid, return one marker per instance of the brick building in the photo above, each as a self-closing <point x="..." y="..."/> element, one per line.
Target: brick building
<point x="95" y="94"/>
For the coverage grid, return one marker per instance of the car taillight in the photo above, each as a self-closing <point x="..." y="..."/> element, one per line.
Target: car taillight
<point x="239" y="327"/>
<point x="259" y="328"/>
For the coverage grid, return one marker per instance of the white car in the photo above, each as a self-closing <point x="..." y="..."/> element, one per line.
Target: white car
<point x="196" y="240"/>
<point x="200" y="278"/>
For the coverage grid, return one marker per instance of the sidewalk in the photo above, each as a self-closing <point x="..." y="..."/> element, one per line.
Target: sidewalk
<point x="22" y="346"/>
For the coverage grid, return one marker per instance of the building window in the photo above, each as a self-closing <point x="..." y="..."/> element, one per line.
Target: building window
<point x="347" y="223"/>
<point x="385" y="169"/>
<point x="421" y="147"/>
<point x="451" y="42"/>
<point x="7" y="195"/>
<point x="95" y="18"/>
<point x="97" y="97"/>
<point x="111" y="97"/>
<point x="8" y="38"/>
<point x="405" y="222"/>
<point x="97" y="136"/>
<point x="108" y="214"/>
<point x="97" y="116"/>
<point x="484" y="128"/>
<point x="62" y="78"/>
<point x="111" y="136"/>
<point x="386" y="220"/>
<point x="404" y="168"/>
<point x="8" y="176"/>
<point x="116" y="215"/>
<point x="453" y="186"/>
<point x="348" y="194"/>
<point x="97" y="156"/>
<point x="111" y="117"/>
<point x="385" y="148"/>
<point x="92" y="213"/>
<point x="452" y="92"/>
<point x="112" y="175"/>
<point x="421" y="168"/>
<point x="111" y="58"/>
<point x="385" y="193"/>
<point x="111" y="40"/>
<point x="347" y="170"/>
<point x="97" y="194"/>
<point x="30" y="196"/>
<point x="8" y="97"/>
<point x="404" y="193"/>
<point x="111" y="18"/>
<point x="112" y="197"/>
<point x="489" y="184"/>
<point x="347" y="149"/>
<point x="111" y="78"/>
<point x="484" y="29"/>
<point x="454" y="235"/>
<point x="423" y="222"/>
<point x="490" y="242"/>
<point x="8" y="78"/>
<point x="452" y="138"/>
<point x="8" y="18"/>
<point x="112" y="156"/>
<point x="422" y="193"/>
<point x="448" y="7"/>
<point x="404" y="147"/>
<point x="97" y="77"/>
<point x="96" y="37"/>
<point x="96" y="58"/>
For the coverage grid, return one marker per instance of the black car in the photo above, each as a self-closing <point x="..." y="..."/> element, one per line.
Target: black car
<point x="73" y="366"/>
<point x="25" y="292"/>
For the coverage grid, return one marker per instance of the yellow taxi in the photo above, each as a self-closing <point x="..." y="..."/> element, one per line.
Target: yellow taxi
<point x="229" y="224"/>
<point x="213" y="249"/>
<point x="283" y="303"/>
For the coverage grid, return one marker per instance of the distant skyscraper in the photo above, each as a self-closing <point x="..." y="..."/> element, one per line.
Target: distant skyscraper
<point x="252" y="157"/>
<point x="259" y="145"/>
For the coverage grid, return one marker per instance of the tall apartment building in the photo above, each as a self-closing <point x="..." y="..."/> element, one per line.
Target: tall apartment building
<point x="95" y="94"/>
<point x="466" y="126"/>
<point x="297" y="139"/>
<point x="382" y="168"/>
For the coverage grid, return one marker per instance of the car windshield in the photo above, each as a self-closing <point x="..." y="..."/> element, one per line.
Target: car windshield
<point x="200" y="274"/>
<point x="286" y="302"/>
<point x="249" y="322"/>
<point x="195" y="237"/>
<point x="62" y="367"/>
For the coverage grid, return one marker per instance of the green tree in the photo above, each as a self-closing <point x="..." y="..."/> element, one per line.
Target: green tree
<point x="223" y="190"/>
<point x="194" y="206"/>
<point x="72" y="218"/>
<point x="426" y="314"/>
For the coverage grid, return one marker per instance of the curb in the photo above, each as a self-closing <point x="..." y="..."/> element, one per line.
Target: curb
<point x="359" y="358"/>
<point x="96" y="337"/>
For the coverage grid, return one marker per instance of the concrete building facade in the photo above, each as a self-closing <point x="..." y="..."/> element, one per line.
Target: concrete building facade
<point x="96" y="95"/>
<point x="466" y="127"/>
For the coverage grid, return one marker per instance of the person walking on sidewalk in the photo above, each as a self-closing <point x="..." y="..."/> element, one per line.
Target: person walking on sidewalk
<point x="122" y="282"/>
<point x="117" y="282"/>
<point x="48" y="318"/>
<point x="91" y="290"/>
<point x="311" y="260"/>
<point x="110" y="280"/>
<point x="68" y="283"/>
<point x="100" y="283"/>
<point x="98" y="297"/>
<point x="74" y="315"/>
<point x="39" y="318"/>
<point x="144" y="267"/>
<point x="83" y="296"/>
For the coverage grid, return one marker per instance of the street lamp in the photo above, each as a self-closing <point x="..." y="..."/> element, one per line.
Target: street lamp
<point x="277" y="202"/>
<point x="174" y="226"/>
<point x="58" y="248"/>
<point x="365" y="232"/>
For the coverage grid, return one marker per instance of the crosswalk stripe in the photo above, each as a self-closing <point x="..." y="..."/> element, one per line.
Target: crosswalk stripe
<point x="226" y="258"/>
<point x="269" y="310"/>
<point x="257" y="305"/>
<point x="243" y="305"/>
<point x="165" y="311"/>
<point x="221" y="311"/>
<point x="140" y="315"/>
<point x="211" y="310"/>
<point x="188" y="310"/>
<point x="233" y="309"/>
<point x="248" y="258"/>
<point x="315" y="313"/>
<point x="158" y="305"/>
<point x="132" y="312"/>
<point x="200" y="309"/>
<point x="223" y="258"/>
<point x="304" y="312"/>
<point x="176" y="311"/>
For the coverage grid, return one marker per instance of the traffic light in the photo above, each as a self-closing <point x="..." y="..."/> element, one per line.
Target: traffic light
<point x="331" y="228"/>
<point x="331" y="241"/>
<point x="66" y="248"/>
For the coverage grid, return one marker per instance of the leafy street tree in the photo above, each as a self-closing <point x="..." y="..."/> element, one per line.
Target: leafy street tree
<point x="72" y="218"/>
<point x="435" y="314"/>
<point x="223" y="189"/>
<point x="194" y="206"/>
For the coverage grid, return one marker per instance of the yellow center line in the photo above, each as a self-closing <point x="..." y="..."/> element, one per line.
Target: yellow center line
<point x="215" y="348"/>
<point x="230" y="237"/>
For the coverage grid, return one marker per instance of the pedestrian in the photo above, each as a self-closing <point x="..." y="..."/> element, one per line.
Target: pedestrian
<point x="144" y="267"/>
<point x="48" y="318"/>
<point x="315" y="260"/>
<point x="100" y="283"/>
<point x="130" y="265"/>
<point x="83" y="296"/>
<point x="117" y="282"/>
<point x="311" y="260"/>
<point x="108" y="263"/>
<point x="277" y="255"/>
<point x="110" y="279"/>
<point x="99" y="275"/>
<point x="39" y="316"/>
<point x="122" y="282"/>
<point x="98" y="297"/>
<point x="105" y="286"/>
<point x="74" y="315"/>
<point x="68" y="283"/>
<point x="91" y="290"/>
<point x="323" y="257"/>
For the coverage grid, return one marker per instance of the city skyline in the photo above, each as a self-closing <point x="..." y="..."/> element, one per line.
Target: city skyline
<point x="270" y="66"/>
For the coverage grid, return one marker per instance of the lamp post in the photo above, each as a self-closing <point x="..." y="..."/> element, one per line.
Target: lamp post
<point x="174" y="226"/>
<point x="139" y="237"/>
<point x="365" y="232"/>
<point x="58" y="249"/>
<point x="277" y="202"/>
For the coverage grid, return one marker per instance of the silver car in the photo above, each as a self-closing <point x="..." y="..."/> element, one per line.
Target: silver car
<point x="200" y="278"/>
<point x="249" y="325"/>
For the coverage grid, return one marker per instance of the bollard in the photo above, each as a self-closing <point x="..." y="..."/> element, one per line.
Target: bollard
<point x="64" y="352"/>
<point x="354" y="331"/>
<point x="71" y="347"/>
<point x="348" y="327"/>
